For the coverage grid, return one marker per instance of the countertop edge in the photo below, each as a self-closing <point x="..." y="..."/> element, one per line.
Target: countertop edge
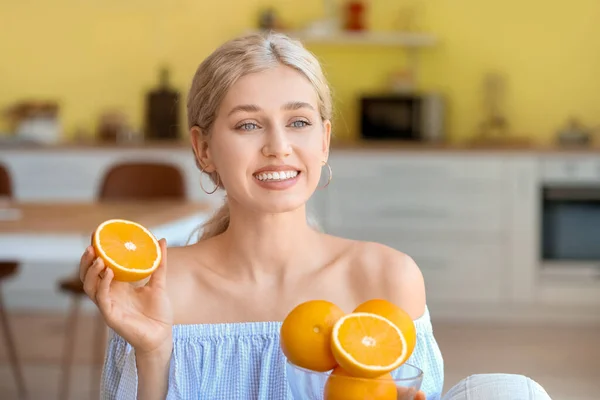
<point x="357" y="146"/>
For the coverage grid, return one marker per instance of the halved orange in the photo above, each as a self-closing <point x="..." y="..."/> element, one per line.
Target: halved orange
<point x="128" y="248"/>
<point x="368" y="345"/>
<point x="395" y="314"/>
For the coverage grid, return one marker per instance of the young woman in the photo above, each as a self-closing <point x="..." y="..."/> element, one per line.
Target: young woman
<point x="207" y="325"/>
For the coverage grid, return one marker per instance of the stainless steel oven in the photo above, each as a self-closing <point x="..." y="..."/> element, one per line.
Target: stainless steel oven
<point x="570" y="221"/>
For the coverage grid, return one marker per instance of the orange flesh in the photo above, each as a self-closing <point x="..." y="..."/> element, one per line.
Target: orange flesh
<point x="370" y="341"/>
<point x="115" y="239"/>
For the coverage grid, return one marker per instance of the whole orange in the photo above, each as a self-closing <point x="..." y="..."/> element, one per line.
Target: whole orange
<point x="342" y="386"/>
<point x="306" y="335"/>
<point x="397" y="315"/>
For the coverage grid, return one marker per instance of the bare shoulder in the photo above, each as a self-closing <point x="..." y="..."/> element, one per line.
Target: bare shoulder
<point x="395" y="275"/>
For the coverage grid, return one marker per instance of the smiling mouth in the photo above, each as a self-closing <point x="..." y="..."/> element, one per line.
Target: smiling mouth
<point x="276" y="176"/>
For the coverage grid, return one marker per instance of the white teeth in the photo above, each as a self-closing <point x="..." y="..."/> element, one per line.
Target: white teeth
<point x="276" y="176"/>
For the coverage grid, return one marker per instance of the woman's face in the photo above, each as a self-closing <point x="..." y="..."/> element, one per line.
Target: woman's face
<point x="268" y="142"/>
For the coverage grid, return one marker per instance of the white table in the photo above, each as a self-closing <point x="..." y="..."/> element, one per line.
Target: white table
<point x="59" y="232"/>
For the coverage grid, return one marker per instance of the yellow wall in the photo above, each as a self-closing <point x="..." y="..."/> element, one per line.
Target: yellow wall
<point x="548" y="49"/>
<point x="97" y="54"/>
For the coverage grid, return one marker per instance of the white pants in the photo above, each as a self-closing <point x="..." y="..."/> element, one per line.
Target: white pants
<point x="496" y="387"/>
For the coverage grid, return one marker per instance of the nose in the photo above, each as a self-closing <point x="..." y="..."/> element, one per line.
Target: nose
<point x="277" y="143"/>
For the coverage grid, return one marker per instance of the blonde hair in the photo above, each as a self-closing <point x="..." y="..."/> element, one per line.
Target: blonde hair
<point x="228" y="63"/>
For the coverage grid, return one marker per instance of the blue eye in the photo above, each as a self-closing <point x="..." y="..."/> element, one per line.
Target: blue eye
<point x="248" y="126"/>
<point x="300" y="124"/>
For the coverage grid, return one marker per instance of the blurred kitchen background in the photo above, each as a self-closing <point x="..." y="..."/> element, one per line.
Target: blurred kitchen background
<point x="466" y="134"/>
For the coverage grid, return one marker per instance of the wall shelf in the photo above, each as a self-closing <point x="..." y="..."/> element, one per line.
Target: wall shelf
<point x="367" y="38"/>
<point x="395" y="39"/>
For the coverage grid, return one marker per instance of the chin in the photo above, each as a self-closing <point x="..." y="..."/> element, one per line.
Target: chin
<point x="280" y="205"/>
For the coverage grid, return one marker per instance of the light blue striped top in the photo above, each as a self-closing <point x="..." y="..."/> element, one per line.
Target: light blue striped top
<point x="239" y="361"/>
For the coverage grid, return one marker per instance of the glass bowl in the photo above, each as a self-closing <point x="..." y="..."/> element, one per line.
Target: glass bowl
<point x="310" y="385"/>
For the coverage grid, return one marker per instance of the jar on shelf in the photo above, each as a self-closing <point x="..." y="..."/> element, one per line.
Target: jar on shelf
<point x="355" y="16"/>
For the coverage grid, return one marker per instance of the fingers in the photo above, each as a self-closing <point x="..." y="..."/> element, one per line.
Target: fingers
<point x="410" y="394"/>
<point x="92" y="276"/>
<point x="86" y="260"/>
<point x="103" y="293"/>
<point x="159" y="277"/>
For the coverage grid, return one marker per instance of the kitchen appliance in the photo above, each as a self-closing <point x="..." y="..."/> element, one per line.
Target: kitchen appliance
<point x="403" y="117"/>
<point x="570" y="217"/>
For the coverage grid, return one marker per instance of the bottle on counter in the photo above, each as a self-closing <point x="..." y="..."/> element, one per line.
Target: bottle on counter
<point x="162" y="110"/>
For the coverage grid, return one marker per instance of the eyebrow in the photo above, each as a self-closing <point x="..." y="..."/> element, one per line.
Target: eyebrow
<point x="292" y="105"/>
<point x="296" y="105"/>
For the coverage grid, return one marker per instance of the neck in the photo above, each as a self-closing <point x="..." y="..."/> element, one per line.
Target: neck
<point x="267" y="246"/>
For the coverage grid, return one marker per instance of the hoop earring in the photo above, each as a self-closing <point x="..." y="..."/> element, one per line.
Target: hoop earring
<point x="330" y="176"/>
<point x="202" y="186"/>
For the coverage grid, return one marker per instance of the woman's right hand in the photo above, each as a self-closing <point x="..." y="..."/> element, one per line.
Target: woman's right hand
<point x="141" y="315"/>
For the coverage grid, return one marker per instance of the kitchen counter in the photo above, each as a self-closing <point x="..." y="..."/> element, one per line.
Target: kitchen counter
<point x="358" y="145"/>
<point x="94" y="145"/>
<point x="463" y="147"/>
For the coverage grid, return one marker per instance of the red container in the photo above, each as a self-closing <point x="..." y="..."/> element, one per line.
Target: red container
<point x="355" y="16"/>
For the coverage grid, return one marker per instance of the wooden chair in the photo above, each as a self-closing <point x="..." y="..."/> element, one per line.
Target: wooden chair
<point x="123" y="182"/>
<point x="7" y="270"/>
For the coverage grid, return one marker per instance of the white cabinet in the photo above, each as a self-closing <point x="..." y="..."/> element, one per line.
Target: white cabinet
<point x="431" y="193"/>
<point x="53" y="177"/>
<point x="454" y="268"/>
<point x="75" y="175"/>
<point x="449" y="212"/>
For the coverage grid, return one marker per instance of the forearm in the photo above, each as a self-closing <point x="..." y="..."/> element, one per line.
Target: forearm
<point x="153" y="373"/>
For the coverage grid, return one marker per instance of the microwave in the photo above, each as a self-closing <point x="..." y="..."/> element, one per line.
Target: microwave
<point x="404" y="117"/>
